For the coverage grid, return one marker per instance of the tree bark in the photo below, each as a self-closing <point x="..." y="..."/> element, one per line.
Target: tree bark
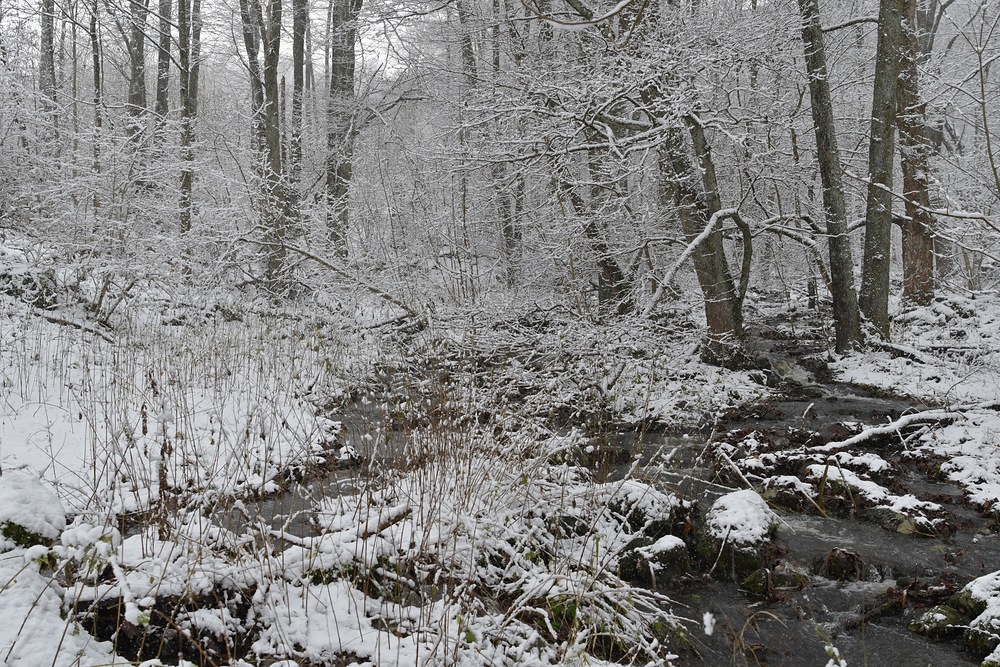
<point x="95" y="49"/>
<point x="162" y="104"/>
<point x="846" y="315"/>
<point x="300" y="19"/>
<point x="874" y="296"/>
<point x="47" y="63"/>
<point x="258" y="35"/>
<point x="340" y="117"/>
<point x="915" y="152"/>
<point x="509" y="200"/>
<point x="189" y="55"/>
<point x="613" y="286"/>
<point x="696" y="200"/>
<point x="136" y="45"/>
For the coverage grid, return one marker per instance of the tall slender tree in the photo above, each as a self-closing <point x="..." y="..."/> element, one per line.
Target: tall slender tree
<point x="162" y="104"/>
<point x="135" y="44"/>
<point x="46" y="60"/>
<point x="874" y="295"/>
<point x="915" y="153"/>
<point x="341" y="115"/>
<point x="189" y="56"/>
<point x="300" y="22"/>
<point x="846" y="316"/>
<point x="97" y="63"/>
<point x="262" y="39"/>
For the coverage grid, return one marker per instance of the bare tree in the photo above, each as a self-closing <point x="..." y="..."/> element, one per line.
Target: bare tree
<point x="874" y="295"/>
<point x="300" y="22"/>
<point x="697" y="202"/>
<point x="189" y="56"/>
<point x="135" y="44"/>
<point x="46" y="62"/>
<point x="260" y="34"/>
<point x="846" y="316"/>
<point x="98" y="98"/>
<point x="915" y="153"/>
<point x="162" y="104"/>
<point x="341" y="120"/>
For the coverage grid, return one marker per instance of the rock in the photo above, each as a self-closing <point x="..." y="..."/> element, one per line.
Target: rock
<point x="737" y="533"/>
<point x="965" y="602"/>
<point x="741" y="518"/>
<point x="981" y="641"/>
<point x="841" y="565"/>
<point x="940" y="622"/>
<point x="767" y="584"/>
<point x="643" y="509"/>
<point x="981" y="598"/>
<point x="646" y="562"/>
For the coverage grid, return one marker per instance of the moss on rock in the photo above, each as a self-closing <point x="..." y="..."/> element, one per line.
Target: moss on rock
<point x="646" y="562"/>
<point x="940" y="622"/>
<point x="21" y="536"/>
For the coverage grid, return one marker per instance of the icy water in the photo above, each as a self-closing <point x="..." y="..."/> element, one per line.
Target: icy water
<point x="795" y="627"/>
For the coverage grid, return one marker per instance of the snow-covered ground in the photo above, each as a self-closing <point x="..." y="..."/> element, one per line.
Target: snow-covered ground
<point x="131" y="458"/>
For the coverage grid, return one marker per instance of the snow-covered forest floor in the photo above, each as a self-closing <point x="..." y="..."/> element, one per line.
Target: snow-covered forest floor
<point x="213" y="479"/>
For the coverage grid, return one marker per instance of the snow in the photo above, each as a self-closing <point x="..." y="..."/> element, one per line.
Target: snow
<point x="986" y="589"/>
<point x="708" y="621"/>
<point x="406" y="561"/>
<point x="741" y="518"/>
<point x="31" y="504"/>
<point x="32" y="628"/>
<point x="663" y="545"/>
<point x="969" y="453"/>
<point x="335" y="623"/>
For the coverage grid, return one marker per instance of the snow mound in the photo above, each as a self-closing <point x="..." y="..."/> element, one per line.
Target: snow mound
<point x="741" y="518"/>
<point x="31" y="504"/>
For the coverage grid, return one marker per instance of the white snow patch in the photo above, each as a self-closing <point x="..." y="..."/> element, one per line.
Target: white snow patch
<point x="32" y="629"/>
<point x="742" y="518"/>
<point x="31" y="504"/>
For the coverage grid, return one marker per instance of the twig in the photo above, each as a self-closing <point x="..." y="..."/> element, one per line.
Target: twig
<point x="327" y="264"/>
<point x="76" y="325"/>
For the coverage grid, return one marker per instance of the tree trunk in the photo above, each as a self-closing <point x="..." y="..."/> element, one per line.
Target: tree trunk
<point x="189" y="54"/>
<point x="340" y="116"/>
<point x="915" y="152"/>
<point x="162" y="104"/>
<point x="300" y="18"/>
<point x="681" y="188"/>
<point x="136" y="45"/>
<point x="95" y="48"/>
<point x="874" y="296"/>
<point x="47" y="63"/>
<point x="509" y="198"/>
<point x="846" y="316"/>
<point x="613" y="286"/>
<point x="266" y="132"/>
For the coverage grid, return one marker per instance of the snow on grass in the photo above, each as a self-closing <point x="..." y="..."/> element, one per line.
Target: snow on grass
<point x="221" y="406"/>
<point x="677" y="390"/>
<point x="501" y="557"/>
<point x="33" y="630"/>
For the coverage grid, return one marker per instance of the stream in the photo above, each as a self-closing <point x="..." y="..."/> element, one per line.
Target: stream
<point x="794" y="626"/>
